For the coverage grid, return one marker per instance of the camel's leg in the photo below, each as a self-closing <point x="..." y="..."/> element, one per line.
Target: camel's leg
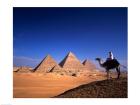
<point x="107" y="74"/>
<point x="118" y="71"/>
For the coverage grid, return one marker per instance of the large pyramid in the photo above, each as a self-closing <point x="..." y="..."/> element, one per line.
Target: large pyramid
<point x="70" y="62"/>
<point x="46" y="65"/>
<point x="89" y="65"/>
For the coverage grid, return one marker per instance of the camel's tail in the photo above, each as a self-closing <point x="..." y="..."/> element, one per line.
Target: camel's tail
<point x="123" y="66"/>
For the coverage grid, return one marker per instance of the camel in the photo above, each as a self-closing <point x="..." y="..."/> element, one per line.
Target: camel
<point x="110" y="64"/>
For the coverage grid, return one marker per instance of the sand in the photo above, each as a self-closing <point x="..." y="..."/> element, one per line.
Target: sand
<point x="36" y="85"/>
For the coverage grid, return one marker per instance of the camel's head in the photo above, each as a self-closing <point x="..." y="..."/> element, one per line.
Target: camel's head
<point x="98" y="59"/>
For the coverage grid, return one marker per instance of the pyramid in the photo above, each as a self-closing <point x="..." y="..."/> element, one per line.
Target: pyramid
<point x="70" y="62"/>
<point x="46" y="65"/>
<point x="16" y="69"/>
<point x="23" y="69"/>
<point x="89" y="65"/>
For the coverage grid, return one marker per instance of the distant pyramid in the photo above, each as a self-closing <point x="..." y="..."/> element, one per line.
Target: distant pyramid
<point x="46" y="65"/>
<point x="89" y="65"/>
<point x="70" y="62"/>
<point x="23" y="69"/>
<point x="16" y="69"/>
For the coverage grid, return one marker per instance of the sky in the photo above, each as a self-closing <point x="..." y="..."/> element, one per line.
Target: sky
<point x="87" y="32"/>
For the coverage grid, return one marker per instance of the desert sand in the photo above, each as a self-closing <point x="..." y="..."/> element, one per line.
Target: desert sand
<point x="30" y="85"/>
<point x="37" y="85"/>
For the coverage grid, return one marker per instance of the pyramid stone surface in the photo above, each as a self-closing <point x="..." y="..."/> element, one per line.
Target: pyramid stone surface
<point x="56" y="68"/>
<point x="46" y="65"/>
<point x="89" y="65"/>
<point x="70" y="62"/>
<point x="16" y="69"/>
<point x="23" y="69"/>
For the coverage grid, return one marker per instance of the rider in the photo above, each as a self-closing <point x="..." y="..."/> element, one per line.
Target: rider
<point x="110" y="57"/>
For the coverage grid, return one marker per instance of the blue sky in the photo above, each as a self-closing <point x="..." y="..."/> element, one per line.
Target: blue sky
<point x="87" y="32"/>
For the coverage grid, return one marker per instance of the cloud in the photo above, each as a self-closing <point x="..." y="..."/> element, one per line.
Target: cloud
<point x="25" y="61"/>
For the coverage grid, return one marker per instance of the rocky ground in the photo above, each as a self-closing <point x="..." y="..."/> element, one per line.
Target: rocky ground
<point x="112" y="88"/>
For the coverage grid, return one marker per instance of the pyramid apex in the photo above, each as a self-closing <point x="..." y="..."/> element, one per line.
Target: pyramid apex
<point x="70" y="53"/>
<point x="85" y="61"/>
<point x="89" y="64"/>
<point x="48" y="55"/>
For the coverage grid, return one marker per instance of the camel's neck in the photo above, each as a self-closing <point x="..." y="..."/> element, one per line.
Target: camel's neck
<point x="101" y="63"/>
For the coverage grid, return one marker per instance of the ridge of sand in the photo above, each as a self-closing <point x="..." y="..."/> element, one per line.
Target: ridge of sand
<point x="112" y="88"/>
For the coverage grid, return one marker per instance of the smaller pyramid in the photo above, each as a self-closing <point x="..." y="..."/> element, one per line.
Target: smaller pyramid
<point x="16" y="69"/>
<point x="23" y="69"/>
<point x="89" y="65"/>
<point x="46" y="65"/>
